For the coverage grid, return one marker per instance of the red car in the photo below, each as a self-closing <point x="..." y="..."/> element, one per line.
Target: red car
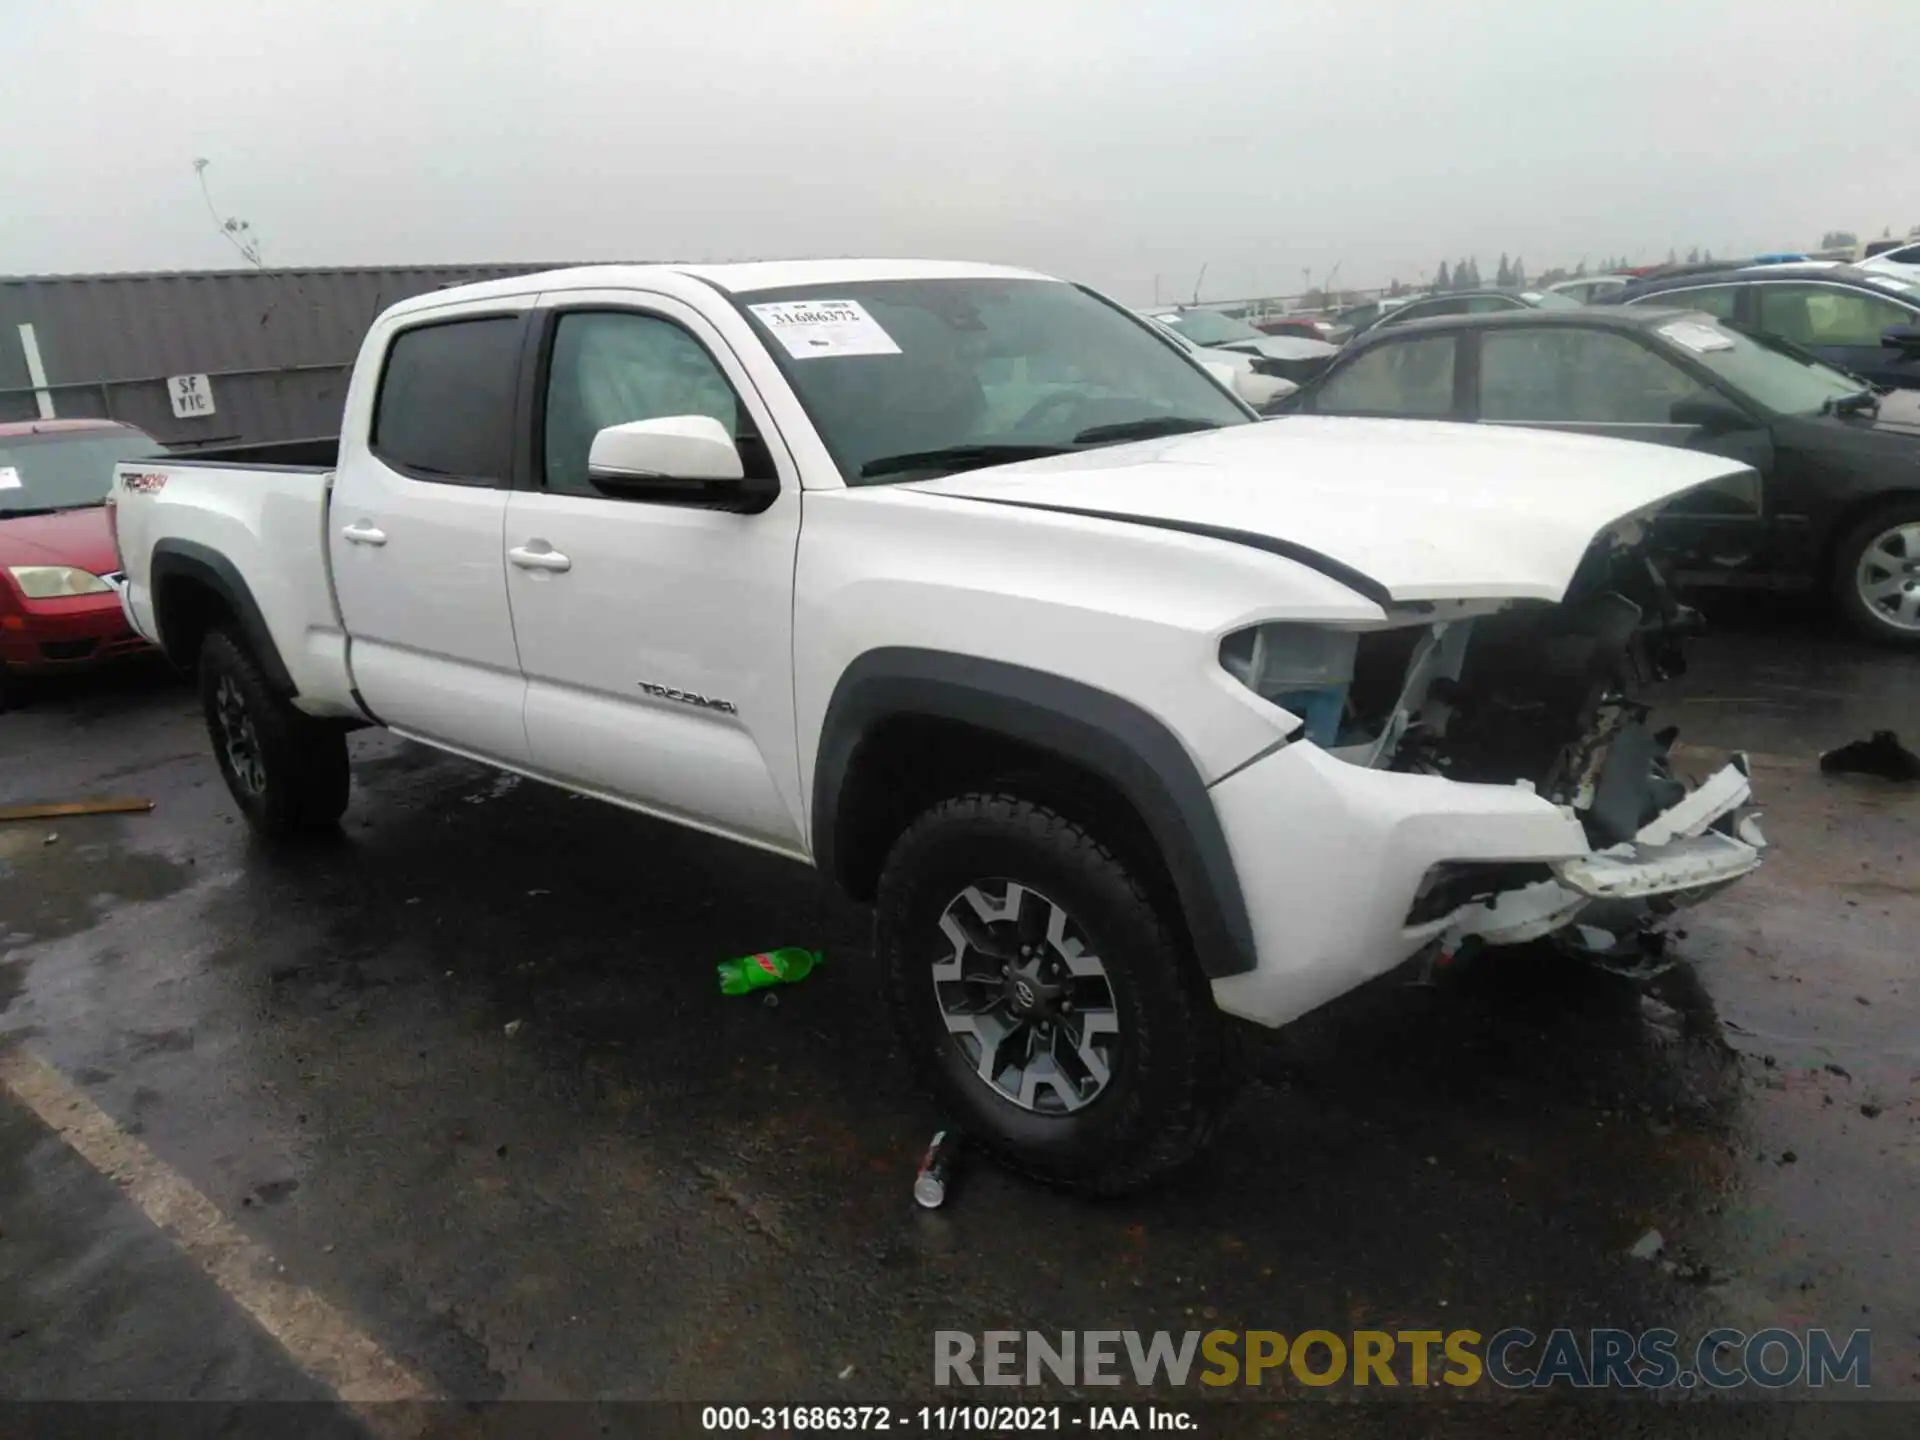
<point x="56" y="613"/>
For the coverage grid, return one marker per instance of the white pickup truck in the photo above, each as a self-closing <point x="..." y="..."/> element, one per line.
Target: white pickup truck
<point x="970" y="588"/>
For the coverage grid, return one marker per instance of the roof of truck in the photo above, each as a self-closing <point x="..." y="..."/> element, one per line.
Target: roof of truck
<point x="742" y="278"/>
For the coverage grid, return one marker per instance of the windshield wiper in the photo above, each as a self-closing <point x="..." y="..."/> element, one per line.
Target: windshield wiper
<point x="1146" y="429"/>
<point x="952" y="458"/>
<point x="1851" y="404"/>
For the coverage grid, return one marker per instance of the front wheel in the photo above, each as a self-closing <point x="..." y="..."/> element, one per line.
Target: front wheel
<point x="1876" y="574"/>
<point x="1045" y="1000"/>
<point x="286" y="770"/>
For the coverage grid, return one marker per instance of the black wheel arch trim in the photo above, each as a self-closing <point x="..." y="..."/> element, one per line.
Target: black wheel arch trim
<point x="1092" y="729"/>
<point x="188" y="560"/>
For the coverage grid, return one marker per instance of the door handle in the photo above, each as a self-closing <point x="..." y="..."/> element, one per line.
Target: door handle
<point x="361" y="533"/>
<point x="544" y="558"/>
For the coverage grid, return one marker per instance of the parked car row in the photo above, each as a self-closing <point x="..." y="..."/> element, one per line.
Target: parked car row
<point x="1862" y="318"/>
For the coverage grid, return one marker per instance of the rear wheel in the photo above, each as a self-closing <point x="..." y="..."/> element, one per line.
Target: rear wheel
<point x="1876" y="574"/>
<point x="1047" y="1003"/>
<point x="286" y="770"/>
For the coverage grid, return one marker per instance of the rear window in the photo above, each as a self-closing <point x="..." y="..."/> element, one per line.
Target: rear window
<point x="445" y="410"/>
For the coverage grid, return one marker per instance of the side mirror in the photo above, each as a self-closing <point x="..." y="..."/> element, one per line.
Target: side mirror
<point x="1710" y="415"/>
<point x="1904" y="338"/>
<point x="683" y="459"/>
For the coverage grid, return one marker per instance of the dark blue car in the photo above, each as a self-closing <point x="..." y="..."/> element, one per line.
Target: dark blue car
<point x="1862" y="321"/>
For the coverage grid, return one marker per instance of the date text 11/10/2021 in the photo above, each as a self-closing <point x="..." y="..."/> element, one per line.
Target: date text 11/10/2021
<point x="947" y="1419"/>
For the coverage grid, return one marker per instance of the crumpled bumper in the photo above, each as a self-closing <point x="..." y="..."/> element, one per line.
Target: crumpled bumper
<point x="1333" y="857"/>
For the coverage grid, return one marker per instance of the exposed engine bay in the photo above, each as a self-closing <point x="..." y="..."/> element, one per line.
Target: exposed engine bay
<point x="1540" y="695"/>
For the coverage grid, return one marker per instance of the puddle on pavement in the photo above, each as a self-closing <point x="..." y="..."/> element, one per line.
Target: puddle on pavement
<point x="52" y="890"/>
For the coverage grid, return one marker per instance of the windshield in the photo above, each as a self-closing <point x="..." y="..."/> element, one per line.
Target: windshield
<point x="1550" y="300"/>
<point x="63" y="470"/>
<point x="1210" y="327"/>
<point x="1784" y="379"/>
<point x="905" y="379"/>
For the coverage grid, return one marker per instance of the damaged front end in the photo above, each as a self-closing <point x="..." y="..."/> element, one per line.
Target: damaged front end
<point x="1540" y="696"/>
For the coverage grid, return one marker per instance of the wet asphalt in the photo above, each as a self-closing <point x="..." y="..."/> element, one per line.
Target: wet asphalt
<point x="464" y="1069"/>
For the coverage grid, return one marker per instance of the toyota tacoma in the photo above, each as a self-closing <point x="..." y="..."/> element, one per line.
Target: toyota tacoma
<point x="1127" y="711"/>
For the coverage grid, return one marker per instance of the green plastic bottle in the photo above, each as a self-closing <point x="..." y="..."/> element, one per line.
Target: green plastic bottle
<point x="769" y="967"/>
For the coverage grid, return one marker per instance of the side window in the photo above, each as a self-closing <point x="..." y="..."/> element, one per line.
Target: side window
<point x="1403" y="377"/>
<point x="445" y="408"/>
<point x="1821" y="315"/>
<point x="1425" y="310"/>
<point x="610" y="367"/>
<point x="1594" y="377"/>
<point x="1717" y="300"/>
<point x="1491" y="304"/>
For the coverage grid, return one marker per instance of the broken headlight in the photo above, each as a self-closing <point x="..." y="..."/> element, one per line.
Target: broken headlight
<point x="1304" y="669"/>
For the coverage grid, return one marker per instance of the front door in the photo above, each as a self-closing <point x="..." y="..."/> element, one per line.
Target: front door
<point x="414" y="532"/>
<point x="1603" y="382"/>
<point x="656" y="637"/>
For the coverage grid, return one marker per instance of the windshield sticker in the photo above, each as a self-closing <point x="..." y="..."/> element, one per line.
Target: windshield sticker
<point x="1697" y="337"/>
<point x="811" y="329"/>
<point x="10" y="478"/>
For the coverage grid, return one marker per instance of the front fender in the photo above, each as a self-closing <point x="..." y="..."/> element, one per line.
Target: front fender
<point x="1086" y="727"/>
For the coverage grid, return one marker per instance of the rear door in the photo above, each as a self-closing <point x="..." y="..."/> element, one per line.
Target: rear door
<point x="414" y="529"/>
<point x="656" y="636"/>
<point x="1607" y="382"/>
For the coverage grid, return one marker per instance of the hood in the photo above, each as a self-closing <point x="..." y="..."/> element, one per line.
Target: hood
<point x="68" y="537"/>
<point x="1423" y="510"/>
<point x="1284" y="347"/>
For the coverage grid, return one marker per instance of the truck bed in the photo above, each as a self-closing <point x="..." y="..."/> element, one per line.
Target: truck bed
<point x="255" y="536"/>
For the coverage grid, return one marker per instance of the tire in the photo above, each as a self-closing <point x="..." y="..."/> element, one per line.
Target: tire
<point x="1147" y="1017"/>
<point x="285" y="770"/>
<point x="1882" y="546"/>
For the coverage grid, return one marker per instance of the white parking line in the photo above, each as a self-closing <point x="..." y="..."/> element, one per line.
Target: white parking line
<point x="321" y="1340"/>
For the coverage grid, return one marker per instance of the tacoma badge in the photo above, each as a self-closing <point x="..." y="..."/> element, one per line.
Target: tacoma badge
<point x="688" y="697"/>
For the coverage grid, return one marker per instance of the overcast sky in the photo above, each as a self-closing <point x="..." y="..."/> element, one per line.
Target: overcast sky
<point x="1118" y="142"/>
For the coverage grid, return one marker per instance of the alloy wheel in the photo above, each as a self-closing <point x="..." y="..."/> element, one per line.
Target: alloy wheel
<point x="1888" y="577"/>
<point x="1025" y="999"/>
<point x="238" y="737"/>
